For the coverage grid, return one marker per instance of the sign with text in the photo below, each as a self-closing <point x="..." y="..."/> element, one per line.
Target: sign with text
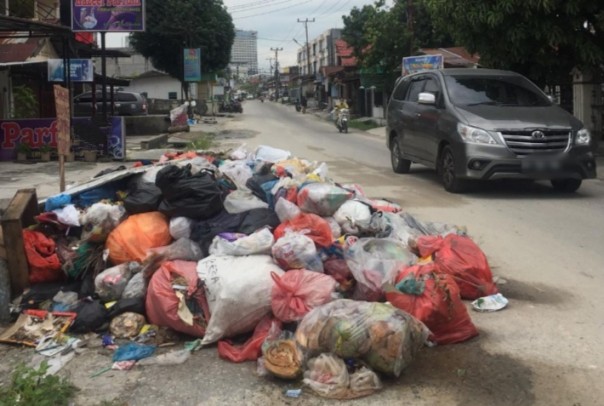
<point x="37" y="132"/>
<point x="63" y="127"/>
<point x="81" y="70"/>
<point x="192" y="64"/>
<point x="107" y="15"/>
<point x="413" y="64"/>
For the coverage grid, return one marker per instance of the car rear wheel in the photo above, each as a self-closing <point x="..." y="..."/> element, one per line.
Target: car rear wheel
<point x="399" y="164"/>
<point x="566" y="185"/>
<point x="447" y="172"/>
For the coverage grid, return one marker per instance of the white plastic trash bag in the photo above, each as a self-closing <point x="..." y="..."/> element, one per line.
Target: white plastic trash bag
<point x="241" y="200"/>
<point x="110" y="283"/>
<point x="322" y="199"/>
<point x="180" y="227"/>
<point x="259" y="242"/>
<point x="353" y="216"/>
<point x="336" y="230"/>
<point x="270" y="154"/>
<point x="238" y="291"/>
<point x="136" y="287"/>
<point x="238" y="171"/>
<point x="297" y="251"/>
<point x="286" y="210"/>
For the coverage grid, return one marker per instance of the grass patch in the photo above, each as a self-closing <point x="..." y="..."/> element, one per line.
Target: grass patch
<point x="202" y="141"/>
<point x="30" y="386"/>
<point x="363" y="125"/>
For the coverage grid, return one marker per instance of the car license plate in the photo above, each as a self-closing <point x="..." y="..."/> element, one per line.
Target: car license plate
<point x="541" y="165"/>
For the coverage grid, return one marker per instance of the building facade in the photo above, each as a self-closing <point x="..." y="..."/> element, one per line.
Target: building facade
<point x="244" y="53"/>
<point x="322" y="52"/>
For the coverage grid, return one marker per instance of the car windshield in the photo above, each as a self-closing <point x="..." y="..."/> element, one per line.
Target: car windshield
<point x="494" y="91"/>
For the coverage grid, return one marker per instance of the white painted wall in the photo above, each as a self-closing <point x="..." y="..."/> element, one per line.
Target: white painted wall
<point x="159" y="87"/>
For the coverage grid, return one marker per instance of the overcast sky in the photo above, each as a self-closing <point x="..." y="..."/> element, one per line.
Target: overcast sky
<point x="276" y="23"/>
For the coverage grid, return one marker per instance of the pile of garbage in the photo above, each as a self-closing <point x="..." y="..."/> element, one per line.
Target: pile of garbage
<point x="260" y="253"/>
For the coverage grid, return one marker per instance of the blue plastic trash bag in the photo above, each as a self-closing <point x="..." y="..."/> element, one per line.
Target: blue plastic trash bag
<point x="57" y="202"/>
<point x="133" y="352"/>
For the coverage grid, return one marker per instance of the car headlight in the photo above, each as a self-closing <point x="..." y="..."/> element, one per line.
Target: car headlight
<point x="475" y="135"/>
<point x="583" y="137"/>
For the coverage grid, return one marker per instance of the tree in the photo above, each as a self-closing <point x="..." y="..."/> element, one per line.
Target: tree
<point x="382" y="36"/>
<point x="172" y="25"/>
<point x="544" y="39"/>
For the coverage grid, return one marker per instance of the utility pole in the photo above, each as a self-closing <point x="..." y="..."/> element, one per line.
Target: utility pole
<point x="305" y="22"/>
<point x="277" y="80"/>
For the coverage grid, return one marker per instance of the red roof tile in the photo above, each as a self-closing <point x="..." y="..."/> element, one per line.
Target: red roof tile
<point x="19" y="49"/>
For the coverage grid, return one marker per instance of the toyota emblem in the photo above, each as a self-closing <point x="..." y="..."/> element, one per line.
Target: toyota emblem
<point x="538" y="135"/>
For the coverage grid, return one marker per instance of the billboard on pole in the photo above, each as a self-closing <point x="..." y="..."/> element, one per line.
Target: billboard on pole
<point x="107" y="15"/>
<point x="412" y="64"/>
<point x="192" y="64"/>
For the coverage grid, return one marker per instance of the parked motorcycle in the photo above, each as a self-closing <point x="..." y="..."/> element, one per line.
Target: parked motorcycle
<point x="343" y="115"/>
<point x="233" y="106"/>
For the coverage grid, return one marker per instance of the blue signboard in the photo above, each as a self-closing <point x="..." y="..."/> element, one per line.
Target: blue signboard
<point x="82" y="70"/>
<point x="412" y="64"/>
<point x="192" y="64"/>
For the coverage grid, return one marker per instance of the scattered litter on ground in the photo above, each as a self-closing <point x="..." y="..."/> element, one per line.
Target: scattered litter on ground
<point x="260" y="252"/>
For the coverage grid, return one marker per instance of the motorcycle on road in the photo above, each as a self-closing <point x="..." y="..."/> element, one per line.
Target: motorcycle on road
<point x="342" y="117"/>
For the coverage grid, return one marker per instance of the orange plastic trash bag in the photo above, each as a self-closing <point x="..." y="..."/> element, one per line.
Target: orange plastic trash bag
<point x="130" y="240"/>
<point x="311" y="225"/>
<point x="43" y="261"/>
<point x="298" y="291"/>
<point x="461" y="258"/>
<point x="433" y="298"/>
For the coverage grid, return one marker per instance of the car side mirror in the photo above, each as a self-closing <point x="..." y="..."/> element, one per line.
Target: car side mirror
<point x="426" y="98"/>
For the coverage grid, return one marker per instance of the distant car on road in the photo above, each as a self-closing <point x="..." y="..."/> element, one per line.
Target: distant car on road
<point x="485" y="124"/>
<point x="125" y="104"/>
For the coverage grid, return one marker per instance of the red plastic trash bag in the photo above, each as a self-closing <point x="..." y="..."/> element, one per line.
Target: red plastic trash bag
<point x="138" y="233"/>
<point x="44" y="264"/>
<point x="170" y="288"/>
<point x="433" y="298"/>
<point x="299" y="291"/>
<point x="311" y="225"/>
<point x="461" y="258"/>
<point x="251" y="350"/>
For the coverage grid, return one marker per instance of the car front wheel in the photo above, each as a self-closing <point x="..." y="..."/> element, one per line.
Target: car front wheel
<point x="399" y="164"/>
<point x="447" y="172"/>
<point x="566" y="185"/>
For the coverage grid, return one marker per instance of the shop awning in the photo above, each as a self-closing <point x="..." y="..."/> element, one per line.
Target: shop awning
<point x="28" y="28"/>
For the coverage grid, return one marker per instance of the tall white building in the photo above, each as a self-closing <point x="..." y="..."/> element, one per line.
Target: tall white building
<point x="244" y="53"/>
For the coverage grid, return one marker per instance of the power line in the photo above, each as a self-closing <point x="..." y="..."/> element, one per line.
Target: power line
<point x="267" y="12"/>
<point x="260" y="6"/>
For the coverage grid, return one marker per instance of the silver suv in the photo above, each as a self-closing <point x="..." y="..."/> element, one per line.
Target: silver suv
<point x="485" y="124"/>
<point x="124" y="104"/>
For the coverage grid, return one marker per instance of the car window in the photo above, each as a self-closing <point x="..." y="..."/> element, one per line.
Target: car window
<point x="432" y="87"/>
<point x="84" y="98"/>
<point x="494" y="90"/>
<point x="415" y="88"/>
<point x="125" y="97"/>
<point x="401" y="89"/>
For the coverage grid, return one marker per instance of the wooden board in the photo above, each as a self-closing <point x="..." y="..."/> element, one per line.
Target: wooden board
<point x="19" y="214"/>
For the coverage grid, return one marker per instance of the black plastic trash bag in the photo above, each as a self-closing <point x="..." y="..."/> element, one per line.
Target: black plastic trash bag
<point x="197" y="196"/>
<point x="203" y="232"/>
<point x="254" y="184"/>
<point x="134" y="305"/>
<point x="258" y="218"/>
<point x="91" y="316"/>
<point x="142" y="197"/>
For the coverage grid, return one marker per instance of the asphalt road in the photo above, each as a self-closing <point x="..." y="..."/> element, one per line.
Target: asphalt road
<point x="544" y="349"/>
<point x="549" y="248"/>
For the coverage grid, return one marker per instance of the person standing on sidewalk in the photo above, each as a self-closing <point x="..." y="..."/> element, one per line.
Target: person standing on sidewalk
<point x="303" y="103"/>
